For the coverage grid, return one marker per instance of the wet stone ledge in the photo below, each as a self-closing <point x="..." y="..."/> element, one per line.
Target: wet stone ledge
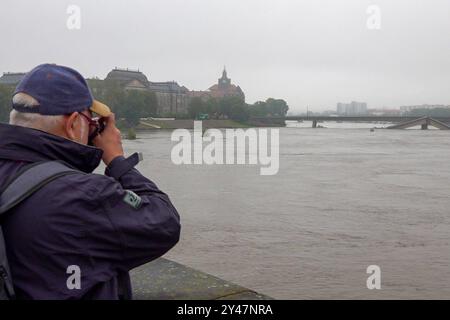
<point x="164" y="279"/>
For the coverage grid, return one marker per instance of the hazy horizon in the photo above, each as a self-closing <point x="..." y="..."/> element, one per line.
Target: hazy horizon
<point x="311" y="53"/>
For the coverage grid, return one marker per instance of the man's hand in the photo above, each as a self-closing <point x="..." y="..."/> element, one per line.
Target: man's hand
<point x="109" y="140"/>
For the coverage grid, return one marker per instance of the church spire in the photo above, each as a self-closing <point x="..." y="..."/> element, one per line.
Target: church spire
<point x="224" y="81"/>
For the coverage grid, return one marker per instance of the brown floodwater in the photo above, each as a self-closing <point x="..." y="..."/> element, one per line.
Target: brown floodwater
<point x="343" y="199"/>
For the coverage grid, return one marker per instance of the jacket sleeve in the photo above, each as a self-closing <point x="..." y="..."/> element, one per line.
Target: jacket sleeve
<point x="143" y="217"/>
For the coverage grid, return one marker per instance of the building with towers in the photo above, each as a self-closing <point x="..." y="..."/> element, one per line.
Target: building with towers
<point x="223" y="88"/>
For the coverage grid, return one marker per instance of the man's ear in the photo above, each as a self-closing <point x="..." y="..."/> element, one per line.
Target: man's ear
<point x="71" y="125"/>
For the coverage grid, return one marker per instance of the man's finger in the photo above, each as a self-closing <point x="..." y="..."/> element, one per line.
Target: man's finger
<point x="110" y="121"/>
<point x="112" y="117"/>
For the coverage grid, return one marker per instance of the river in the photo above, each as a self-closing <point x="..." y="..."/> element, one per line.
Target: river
<point x="344" y="198"/>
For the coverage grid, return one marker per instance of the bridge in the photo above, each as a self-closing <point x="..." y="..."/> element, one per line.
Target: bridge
<point x="408" y="121"/>
<point x="424" y="122"/>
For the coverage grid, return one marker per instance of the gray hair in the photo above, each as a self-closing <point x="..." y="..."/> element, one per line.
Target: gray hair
<point x="32" y="120"/>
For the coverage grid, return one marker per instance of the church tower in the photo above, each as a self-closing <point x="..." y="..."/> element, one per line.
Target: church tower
<point x="224" y="81"/>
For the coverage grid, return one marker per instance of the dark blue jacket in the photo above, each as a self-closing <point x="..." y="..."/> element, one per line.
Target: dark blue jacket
<point x="80" y="219"/>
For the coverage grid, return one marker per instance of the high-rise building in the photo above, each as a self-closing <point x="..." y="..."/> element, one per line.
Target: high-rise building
<point x="353" y="108"/>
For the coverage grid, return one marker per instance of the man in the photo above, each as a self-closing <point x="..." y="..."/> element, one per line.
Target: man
<point x="101" y="225"/>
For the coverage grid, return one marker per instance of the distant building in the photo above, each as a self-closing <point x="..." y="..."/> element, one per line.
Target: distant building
<point x="129" y="79"/>
<point x="329" y="113"/>
<point x="341" y="108"/>
<point x="171" y="97"/>
<point x="384" y="112"/>
<point x="11" y="78"/>
<point x="351" y="109"/>
<point x="405" y="109"/>
<point x="223" y="88"/>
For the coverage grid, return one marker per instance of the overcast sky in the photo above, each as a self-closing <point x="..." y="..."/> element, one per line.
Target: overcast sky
<point x="311" y="53"/>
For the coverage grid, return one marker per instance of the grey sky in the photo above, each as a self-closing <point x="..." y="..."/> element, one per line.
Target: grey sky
<point x="309" y="52"/>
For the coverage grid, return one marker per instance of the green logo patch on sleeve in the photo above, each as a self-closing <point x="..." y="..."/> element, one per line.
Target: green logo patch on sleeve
<point x="132" y="199"/>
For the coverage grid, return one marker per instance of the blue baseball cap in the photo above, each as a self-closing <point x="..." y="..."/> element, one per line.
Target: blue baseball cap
<point x="59" y="90"/>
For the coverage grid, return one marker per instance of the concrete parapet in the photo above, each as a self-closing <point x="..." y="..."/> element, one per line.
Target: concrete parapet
<point x="164" y="279"/>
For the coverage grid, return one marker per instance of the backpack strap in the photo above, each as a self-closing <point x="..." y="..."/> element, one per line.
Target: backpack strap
<point x="23" y="185"/>
<point x="31" y="180"/>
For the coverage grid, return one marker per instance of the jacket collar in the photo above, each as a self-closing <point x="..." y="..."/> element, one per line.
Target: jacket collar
<point x="31" y="145"/>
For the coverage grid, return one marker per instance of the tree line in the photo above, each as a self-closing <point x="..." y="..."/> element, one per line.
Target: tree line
<point x="132" y="105"/>
<point x="235" y="108"/>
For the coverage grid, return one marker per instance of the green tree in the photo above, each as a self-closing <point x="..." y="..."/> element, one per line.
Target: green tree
<point x="5" y="102"/>
<point x="269" y="108"/>
<point x="258" y="109"/>
<point x="277" y="107"/>
<point x="233" y="107"/>
<point x="130" y="105"/>
<point x="108" y="92"/>
<point x="136" y="105"/>
<point x="196" y="106"/>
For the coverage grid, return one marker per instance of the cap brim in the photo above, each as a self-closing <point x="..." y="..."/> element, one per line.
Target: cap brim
<point x="100" y="108"/>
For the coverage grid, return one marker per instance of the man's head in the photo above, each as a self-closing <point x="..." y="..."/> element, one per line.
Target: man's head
<point x="57" y="100"/>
